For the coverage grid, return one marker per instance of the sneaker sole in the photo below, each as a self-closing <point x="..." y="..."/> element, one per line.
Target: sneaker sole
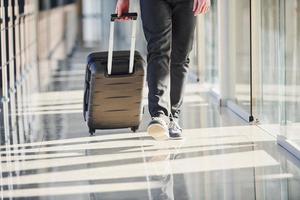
<point x="177" y="138"/>
<point x="158" y="132"/>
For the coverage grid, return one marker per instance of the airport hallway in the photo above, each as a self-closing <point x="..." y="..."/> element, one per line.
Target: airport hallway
<point x="221" y="157"/>
<point x="240" y="115"/>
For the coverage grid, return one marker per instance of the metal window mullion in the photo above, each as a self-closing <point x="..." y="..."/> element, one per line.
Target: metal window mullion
<point x="11" y="50"/>
<point x="19" y="75"/>
<point x="26" y="69"/>
<point x="3" y="54"/>
<point x="12" y="73"/>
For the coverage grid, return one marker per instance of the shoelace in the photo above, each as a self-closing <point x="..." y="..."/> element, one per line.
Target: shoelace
<point x="160" y="120"/>
<point x="174" y="125"/>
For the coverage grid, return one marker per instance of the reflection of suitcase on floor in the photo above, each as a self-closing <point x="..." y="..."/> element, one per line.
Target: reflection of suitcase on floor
<point x="113" y="91"/>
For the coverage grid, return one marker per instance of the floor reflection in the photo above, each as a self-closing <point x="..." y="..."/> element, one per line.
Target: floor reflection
<point x="156" y="169"/>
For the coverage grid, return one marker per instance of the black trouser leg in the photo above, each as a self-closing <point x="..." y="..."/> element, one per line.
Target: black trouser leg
<point x="166" y="76"/>
<point x="157" y="24"/>
<point x="183" y="26"/>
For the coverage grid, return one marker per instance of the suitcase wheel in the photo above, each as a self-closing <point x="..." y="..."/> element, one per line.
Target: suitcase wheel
<point x="92" y="131"/>
<point x="134" y="129"/>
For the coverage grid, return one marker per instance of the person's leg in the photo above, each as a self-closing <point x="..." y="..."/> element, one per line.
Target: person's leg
<point x="183" y="28"/>
<point x="157" y="24"/>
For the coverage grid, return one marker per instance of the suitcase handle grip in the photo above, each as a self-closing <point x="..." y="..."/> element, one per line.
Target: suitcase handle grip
<point x="131" y="16"/>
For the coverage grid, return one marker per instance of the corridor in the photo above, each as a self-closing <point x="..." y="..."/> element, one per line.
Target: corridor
<point x="48" y="154"/>
<point x="222" y="157"/>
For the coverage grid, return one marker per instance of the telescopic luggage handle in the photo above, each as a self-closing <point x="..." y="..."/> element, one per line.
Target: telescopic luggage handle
<point x="114" y="17"/>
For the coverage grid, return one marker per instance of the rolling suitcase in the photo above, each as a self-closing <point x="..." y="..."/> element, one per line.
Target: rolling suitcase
<point x="114" y="84"/>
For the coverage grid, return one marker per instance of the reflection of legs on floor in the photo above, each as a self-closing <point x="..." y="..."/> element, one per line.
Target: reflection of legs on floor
<point x="161" y="168"/>
<point x="163" y="176"/>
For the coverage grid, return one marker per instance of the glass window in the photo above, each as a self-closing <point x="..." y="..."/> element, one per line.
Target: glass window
<point x="277" y="100"/>
<point x="267" y="97"/>
<point x="208" y="46"/>
<point x="289" y="116"/>
<point x="239" y="51"/>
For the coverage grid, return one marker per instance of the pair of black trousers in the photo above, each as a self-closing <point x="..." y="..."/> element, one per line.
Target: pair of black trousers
<point x="169" y="30"/>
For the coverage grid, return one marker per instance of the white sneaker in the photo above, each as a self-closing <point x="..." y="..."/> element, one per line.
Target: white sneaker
<point x="158" y="129"/>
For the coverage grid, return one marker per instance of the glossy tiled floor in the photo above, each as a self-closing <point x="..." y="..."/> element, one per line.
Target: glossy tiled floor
<point x="221" y="157"/>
